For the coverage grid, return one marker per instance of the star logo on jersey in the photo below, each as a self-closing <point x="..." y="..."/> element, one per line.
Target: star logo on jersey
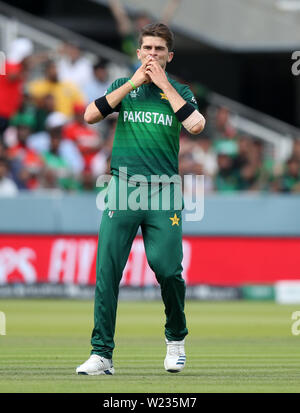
<point x="163" y="96"/>
<point x="175" y="220"/>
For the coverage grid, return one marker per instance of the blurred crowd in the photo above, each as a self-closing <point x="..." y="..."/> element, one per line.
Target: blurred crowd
<point x="233" y="161"/>
<point x="46" y="145"/>
<point x="44" y="141"/>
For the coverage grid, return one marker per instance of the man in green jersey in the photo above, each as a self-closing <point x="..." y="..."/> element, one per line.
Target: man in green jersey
<point x="152" y="107"/>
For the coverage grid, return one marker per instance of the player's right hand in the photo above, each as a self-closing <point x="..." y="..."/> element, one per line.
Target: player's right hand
<point x="140" y="77"/>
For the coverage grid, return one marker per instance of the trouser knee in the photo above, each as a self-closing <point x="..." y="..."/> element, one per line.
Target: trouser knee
<point x="166" y="274"/>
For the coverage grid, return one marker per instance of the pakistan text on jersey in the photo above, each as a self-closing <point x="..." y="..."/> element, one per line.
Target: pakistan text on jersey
<point x="148" y="117"/>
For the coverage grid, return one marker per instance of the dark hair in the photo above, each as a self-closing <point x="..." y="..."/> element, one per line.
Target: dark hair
<point x="100" y="63"/>
<point x="158" y="30"/>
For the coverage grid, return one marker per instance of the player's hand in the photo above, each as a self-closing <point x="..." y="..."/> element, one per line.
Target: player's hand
<point x="156" y="73"/>
<point x="140" y="77"/>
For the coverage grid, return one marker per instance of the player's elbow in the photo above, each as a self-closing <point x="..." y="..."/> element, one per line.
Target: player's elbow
<point x="88" y="117"/>
<point x="198" y="128"/>
<point x="92" y="114"/>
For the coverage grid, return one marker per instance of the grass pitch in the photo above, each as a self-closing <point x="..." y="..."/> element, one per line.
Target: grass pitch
<point x="231" y="347"/>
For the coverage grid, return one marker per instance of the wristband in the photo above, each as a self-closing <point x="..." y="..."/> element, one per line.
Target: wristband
<point x="184" y="112"/>
<point x="132" y="84"/>
<point x="103" y="106"/>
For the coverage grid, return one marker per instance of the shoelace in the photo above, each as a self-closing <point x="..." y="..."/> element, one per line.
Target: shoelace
<point x="96" y="358"/>
<point x="175" y="350"/>
<point x="100" y="360"/>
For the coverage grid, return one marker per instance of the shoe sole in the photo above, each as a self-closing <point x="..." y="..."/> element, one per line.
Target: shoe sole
<point x="172" y="370"/>
<point x="108" y="372"/>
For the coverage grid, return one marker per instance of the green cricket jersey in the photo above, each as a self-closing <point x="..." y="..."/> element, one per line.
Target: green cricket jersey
<point x="147" y="134"/>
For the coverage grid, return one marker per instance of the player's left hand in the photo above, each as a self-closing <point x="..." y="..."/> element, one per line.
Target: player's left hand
<point x="156" y="73"/>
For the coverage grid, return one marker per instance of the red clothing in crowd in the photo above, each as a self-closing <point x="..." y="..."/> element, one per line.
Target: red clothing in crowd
<point x="11" y="90"/>
<point x="31" y="162"/>
<point x="86" y="139"/>
<point x="29" y="158"/>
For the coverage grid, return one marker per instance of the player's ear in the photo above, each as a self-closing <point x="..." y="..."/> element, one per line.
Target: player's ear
<point x="170" y="57"/>
<point x="138" y="53"/>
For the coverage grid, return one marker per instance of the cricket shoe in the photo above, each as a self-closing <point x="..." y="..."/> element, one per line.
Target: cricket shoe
<point x="96" y="365"/>
<point x="175" y="358"/>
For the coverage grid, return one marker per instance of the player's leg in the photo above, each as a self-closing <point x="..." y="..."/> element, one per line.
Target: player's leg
<point x="117" y="231"/>
<point x="162" y="233"/>
<point x="116" y="236"/>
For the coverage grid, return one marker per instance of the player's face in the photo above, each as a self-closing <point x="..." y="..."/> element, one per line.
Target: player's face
<point x="157" y="48"/>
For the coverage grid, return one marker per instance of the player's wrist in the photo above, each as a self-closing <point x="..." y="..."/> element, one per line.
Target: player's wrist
<point x="136" y="82"/>
<point x="132" y="84"/>
<point x="166" y="86"/>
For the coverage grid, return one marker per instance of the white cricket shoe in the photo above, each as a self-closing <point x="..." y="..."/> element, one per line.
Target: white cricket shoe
<point x="175" y="358"/>
<point x="96" y="365"/>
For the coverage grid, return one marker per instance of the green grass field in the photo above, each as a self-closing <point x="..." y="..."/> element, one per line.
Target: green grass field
<point x="231" y="347"/>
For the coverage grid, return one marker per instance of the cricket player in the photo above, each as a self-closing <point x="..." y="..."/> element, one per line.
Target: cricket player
<point x="152" y="107"/>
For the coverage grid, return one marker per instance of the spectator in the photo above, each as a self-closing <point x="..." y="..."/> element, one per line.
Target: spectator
<point x="65" y="94"/>
<point x="249" y="178"/>
<point x="68" y="151"/>
<point x="73" y="67"/>
<point x="39" y="112"/>
<point x="296" y="149"/>
<point x="46" y="106"/>
<point x="25" y="162"/>
<point x="88" y="181"/>
<point x="204" y="154"/>
<point x="227" y="177"/>
<point x="185" y="158"/>
<point x="193" y="183"/>
<point x="266" y="166"/>
<point x="58" y="173"/>
<point x="96" y="88"/>
<point x="289" y="181"/>
<point x="244" y="148"/>
<point x="226" y="146"/>
<point x="11" y="84"/>
<point x="7" y="185"/>
<point x="223" y="129"/>
<point x="248" y="163"/>
<point x="85" y="137"/>
<point x="99" y="82"/>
